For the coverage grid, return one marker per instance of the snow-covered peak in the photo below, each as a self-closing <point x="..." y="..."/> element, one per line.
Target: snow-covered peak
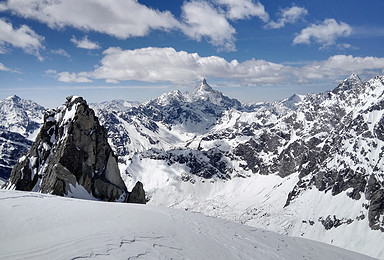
<point x="354" y="77"/>
<point x="118" y="105"/>
<point x="294" y="101"/>
<point x="204" y="92"/>
<point x="170" y="97"/>
<point x="203" y="87"/>
<point x="353" y="81"/>
<point x="20" y="115"/>
<point x="14" y="98"/>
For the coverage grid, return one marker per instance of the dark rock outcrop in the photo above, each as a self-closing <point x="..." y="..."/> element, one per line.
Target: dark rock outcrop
<point x="137" y="194"/>
<point x="71" y="154"/>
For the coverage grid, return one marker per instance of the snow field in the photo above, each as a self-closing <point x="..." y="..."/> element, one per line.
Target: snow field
<point x="37" y="226"/>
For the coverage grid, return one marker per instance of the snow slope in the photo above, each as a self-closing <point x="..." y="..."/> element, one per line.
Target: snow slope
<point x="37" y="226"/>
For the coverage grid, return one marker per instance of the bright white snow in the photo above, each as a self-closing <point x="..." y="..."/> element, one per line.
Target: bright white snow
<point x="37" y="226"/>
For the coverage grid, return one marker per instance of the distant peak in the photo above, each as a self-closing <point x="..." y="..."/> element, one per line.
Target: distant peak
<point x="353" y="77"/>
<point x="203" y="81"/>
<point x="203" y="86"/>
<point x="351" y="82"/>
<point x="15" y="98"/>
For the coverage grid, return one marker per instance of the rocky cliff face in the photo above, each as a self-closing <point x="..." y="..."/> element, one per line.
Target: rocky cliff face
<point x="70" y="155"/>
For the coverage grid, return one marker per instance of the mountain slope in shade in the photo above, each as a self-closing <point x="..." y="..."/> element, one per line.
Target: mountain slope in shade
<point x="64" y="228"/>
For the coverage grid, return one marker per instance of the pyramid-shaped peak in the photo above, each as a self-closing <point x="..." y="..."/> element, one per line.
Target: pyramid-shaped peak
<point x="203" y="86"/>
<point x="353" y="81"/>
<point x="353" y="77"/>
<point x="203" y="81"/>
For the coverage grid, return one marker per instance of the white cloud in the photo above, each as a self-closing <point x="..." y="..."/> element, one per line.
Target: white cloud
<point x="61" y="52"/>
<point x="122" y="19"/>
<point x="112" y="81"/>
<point x="183" y="68"/>
<point x="345" y="46"/>
<point x="73" y="77"/>
<point x="203" y="20"/>
<point x="288" y="16"/>
<point x="5" y="68"/>
<point x="129" y="18"/>
<point x="85" y="43"/>
<point x="244" y="9"/>
<point x="339" y="66"/>
<point x="325" y="33"/>
<point x="69" y="77"/>
<point x="23" y="37"/>
<point x="166" y="64"/>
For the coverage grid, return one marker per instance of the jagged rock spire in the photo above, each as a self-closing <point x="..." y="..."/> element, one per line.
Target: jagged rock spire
<point x="71" y="154"/>
<point x="203" y="86"/>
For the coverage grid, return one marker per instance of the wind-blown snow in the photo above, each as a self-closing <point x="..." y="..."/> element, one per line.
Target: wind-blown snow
<point x="37" y="226"/>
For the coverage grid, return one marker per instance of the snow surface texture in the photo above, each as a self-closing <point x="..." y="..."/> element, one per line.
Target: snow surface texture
<point x="38" y="226"/>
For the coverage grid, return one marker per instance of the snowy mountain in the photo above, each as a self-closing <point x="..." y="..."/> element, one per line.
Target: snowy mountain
<point x="65" y="228"/>
<point x="266" y="164"/>
<point x="20" y="121"/>
<point x="71" y="157"/>
<point x="308" y="166"/>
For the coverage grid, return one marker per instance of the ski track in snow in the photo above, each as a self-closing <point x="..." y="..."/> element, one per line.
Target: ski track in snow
<point x="38" y="226"/>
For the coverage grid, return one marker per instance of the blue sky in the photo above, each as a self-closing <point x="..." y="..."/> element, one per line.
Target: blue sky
<point x="136" y="50"/>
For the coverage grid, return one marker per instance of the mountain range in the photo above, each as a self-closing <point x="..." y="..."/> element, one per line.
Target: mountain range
<point x="310" y="165"/>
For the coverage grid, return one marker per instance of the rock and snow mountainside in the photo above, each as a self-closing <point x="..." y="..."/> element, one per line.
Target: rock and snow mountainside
<point x="64" y="228"/>
<point x="20" y="121"/>
<point x="70" y="157"/>
<point x="309" y="166"/>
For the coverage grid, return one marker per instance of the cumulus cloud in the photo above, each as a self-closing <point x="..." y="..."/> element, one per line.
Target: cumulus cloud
<point x="183" y="68"/>
<point x="23" y="37"/>
<point x="288" y="16"/>
<point x="85" y="43"/>
<point x="122" y="19"/>
<point x="129" y="18"/>
<point x="167" y="64"/>
<point x="244" y="9"/>
<point x="202" y="20"/>
<point x="325" y="33"/>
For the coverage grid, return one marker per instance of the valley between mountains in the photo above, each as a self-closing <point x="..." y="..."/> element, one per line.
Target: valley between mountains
<point x="309" y="166"/>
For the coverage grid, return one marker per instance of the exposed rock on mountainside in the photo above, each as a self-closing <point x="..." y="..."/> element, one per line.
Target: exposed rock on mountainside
<point x="70" y="155"/>
<point x="137" y="194"/>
